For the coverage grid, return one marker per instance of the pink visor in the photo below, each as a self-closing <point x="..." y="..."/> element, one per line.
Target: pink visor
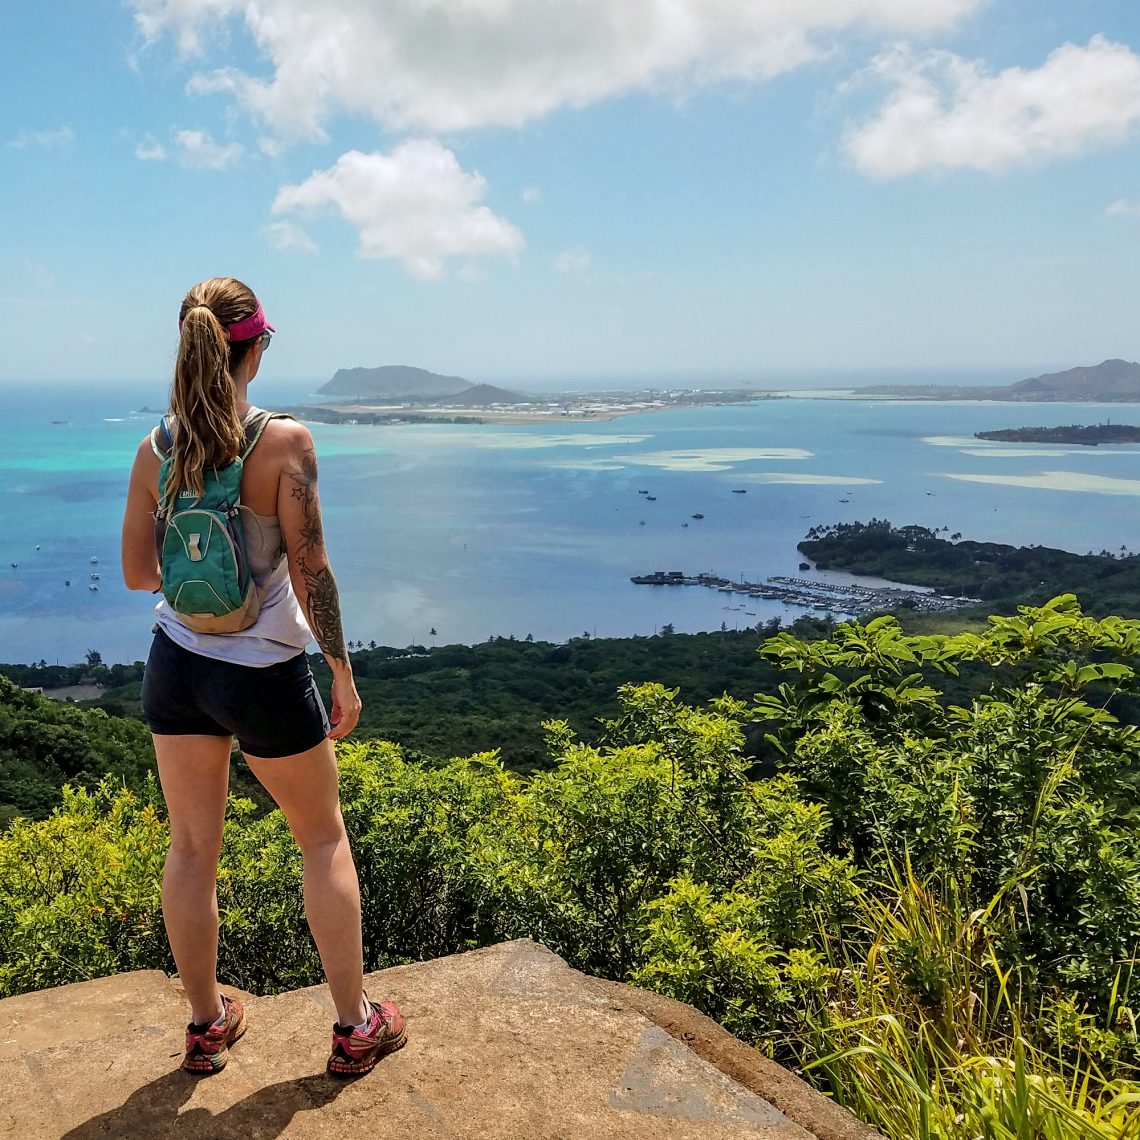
<point x="248" y="327"/>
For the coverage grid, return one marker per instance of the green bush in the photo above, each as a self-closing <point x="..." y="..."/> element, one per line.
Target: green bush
<point x="79" y="892"/>
<point x="1034" y="782"/>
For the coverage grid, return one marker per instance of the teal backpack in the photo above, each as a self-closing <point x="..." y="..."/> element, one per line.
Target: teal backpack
<point x="201" y="544"/>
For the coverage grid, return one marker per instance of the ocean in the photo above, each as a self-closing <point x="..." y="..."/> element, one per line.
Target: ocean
<point x="481" y="530"/>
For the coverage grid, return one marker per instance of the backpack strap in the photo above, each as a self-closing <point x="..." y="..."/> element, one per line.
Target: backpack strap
<point x="255" y="426"/>
<point x="162" y="439"/>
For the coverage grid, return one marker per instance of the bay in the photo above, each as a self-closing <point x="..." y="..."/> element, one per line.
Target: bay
<point x="481" y="530"/>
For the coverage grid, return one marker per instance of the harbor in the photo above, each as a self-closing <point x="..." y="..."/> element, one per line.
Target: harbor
<point x="832" y="597"/>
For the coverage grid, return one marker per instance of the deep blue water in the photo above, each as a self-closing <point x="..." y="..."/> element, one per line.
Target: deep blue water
<point x="481" y="530"/>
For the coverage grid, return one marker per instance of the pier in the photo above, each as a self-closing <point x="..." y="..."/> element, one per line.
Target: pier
<point x="835" y="597"/>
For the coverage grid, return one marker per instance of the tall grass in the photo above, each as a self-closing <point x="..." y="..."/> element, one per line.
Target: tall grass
<point x="926" y="1037"/>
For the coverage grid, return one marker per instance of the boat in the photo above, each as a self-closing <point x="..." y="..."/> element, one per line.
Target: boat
<point x="696" y="516"/>
<point x="651" y="498"/>
<point x="94" y="577"/>
<point x="94" y="559"/>
<point x="845" y="500"/>
<point x="643" y="492"/>
<point x="740" y="490"/>
<point x="93" y="586"/>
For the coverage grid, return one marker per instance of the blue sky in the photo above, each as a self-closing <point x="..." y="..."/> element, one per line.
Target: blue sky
<point x="534" y="191"/>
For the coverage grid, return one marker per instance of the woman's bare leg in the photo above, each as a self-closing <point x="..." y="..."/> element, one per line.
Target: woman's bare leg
<point x="305" y="787"/>
<point x="195" y="774"/>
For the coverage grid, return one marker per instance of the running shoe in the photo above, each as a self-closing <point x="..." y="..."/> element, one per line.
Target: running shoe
<point x="208" y="1047"/>
<point x="354" y="1052"/>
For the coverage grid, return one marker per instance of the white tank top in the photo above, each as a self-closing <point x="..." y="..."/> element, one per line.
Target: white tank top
<point x="280" y="631"/>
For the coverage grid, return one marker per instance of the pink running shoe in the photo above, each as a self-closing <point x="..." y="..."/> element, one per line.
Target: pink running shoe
<point x="355" y="1053"/>
<point x="208" y="1048"/>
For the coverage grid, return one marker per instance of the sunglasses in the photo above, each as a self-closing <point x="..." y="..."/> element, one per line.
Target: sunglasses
<point x="265" y="339"/>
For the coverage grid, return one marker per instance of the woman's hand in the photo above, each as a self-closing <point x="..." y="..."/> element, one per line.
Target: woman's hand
<point x="346" y="703"/>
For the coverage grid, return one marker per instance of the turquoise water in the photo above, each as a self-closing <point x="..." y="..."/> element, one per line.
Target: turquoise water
<point x="495" y="529"/>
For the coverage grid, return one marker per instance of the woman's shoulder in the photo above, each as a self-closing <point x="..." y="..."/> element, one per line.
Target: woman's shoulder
<point x="281" y="425"/>
<point x="284" y="435"/>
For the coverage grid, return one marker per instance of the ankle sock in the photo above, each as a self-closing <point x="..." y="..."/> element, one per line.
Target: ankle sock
<point x="363" y="1026"/>
<point x="202" y="1026"/>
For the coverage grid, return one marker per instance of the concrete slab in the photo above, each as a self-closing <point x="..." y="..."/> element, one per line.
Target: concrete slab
<point x="505" y="1042"/>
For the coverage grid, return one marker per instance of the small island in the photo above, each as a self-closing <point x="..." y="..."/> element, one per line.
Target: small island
<point x="1087" y="436"/>
<point x="403" y="394"/>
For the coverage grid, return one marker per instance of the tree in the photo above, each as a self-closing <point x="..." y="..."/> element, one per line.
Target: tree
<point x="94" y="658"/>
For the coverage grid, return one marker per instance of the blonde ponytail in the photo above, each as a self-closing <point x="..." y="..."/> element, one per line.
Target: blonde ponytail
<point x="208" y="431"/>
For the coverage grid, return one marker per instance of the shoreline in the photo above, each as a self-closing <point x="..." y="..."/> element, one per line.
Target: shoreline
<point x="597" y="411"/>
<point x="602" y="411"/>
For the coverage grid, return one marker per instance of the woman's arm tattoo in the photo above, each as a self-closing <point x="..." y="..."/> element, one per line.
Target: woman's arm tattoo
<point x="305" y="492"/>
<point x="322" y="607"/>
<point x="322" y="602"/>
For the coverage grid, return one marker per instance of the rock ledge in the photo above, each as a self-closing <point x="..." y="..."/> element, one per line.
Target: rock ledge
<point x="504" y="1042"/>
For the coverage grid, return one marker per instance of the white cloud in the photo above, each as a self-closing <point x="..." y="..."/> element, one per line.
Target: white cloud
<point x="287" y="236"/>
<point x="1124" y="208"/>
<point x="573" y="262"/>
<point x="150" y="150"/>
<point x="415" y="204"/>
<point x="198" y="149"/>
<point x="947" y="112"/>
<point x="531" y="195"/>
<point x="183" y="18"/>
<point x="45" y="140"/>
<point x="457" y="64"/>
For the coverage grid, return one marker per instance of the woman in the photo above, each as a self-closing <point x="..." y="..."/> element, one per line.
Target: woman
<point x="201" y="690"/>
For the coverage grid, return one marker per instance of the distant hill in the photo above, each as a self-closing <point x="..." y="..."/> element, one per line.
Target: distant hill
<point x="480" y="396"/>
<point x="402" y="383"/>
<point x="393" y="381"/>
<point x="1110" y="381"/>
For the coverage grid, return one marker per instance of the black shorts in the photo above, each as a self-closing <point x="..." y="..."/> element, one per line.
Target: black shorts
<point x="273" y="711"/>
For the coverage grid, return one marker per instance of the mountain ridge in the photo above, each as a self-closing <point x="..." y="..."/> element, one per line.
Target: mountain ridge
<point x="1113" y="381"/>
<point x="393" y="380"/>
<point x="408" y="384"/>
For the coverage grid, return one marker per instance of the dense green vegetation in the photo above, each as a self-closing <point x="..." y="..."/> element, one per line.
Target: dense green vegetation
<point x="453" y="700"/>
<point x="458" y="699"/>
<point x="1090" y="435"/>
<point x="45" y="744"/>
<point x="933" y="908"/>
<point x="1003" y="576"/>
